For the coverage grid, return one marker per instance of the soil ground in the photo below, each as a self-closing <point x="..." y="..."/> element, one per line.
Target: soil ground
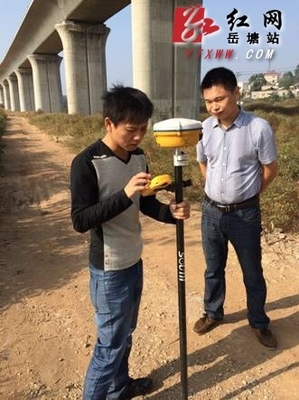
<point x="47" y="330"/>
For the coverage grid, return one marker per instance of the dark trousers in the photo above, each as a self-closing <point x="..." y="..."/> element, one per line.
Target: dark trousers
<point x="243" y="230"/>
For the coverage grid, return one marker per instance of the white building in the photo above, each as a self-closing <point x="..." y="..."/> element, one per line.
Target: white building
<point x="272" y="77"/>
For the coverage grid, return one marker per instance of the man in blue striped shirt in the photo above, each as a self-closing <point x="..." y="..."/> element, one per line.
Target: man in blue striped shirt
<point x="238" y="159"/>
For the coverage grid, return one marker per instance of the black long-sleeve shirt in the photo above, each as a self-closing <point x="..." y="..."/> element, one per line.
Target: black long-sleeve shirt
<point x="100" y="205"/>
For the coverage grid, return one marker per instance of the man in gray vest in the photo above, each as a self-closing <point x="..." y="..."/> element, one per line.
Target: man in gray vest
<point x="107" y="183"/>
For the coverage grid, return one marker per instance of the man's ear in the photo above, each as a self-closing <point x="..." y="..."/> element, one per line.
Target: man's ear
<point x="108" y="124"/>
<point x="237" y="93"/>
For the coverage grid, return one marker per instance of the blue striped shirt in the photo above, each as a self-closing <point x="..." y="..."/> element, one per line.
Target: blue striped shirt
<point x="234" y="156"/>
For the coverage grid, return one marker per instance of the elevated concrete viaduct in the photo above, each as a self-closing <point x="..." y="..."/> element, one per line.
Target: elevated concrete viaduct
<point x="30" y="71"/>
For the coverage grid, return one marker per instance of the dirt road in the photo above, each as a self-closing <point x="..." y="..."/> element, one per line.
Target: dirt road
<point x="47" y="330"/>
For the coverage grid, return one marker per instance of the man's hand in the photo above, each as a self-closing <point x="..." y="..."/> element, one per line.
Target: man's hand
<point x="181" y="210"/>
<point x="137" y="183"/>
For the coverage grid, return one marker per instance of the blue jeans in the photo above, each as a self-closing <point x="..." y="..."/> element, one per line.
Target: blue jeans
<point x="115" y="296"/>
<point x="243" y="230"/>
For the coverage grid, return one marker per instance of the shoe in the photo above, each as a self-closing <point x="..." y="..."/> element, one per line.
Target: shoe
<point x="137" y="387"/>
<point x="205" y="324"/>
<point x="266" y="337"/>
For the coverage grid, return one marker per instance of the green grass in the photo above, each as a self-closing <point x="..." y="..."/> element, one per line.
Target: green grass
<point x="279" y="202"/>
<point x="2" y="127"/>
<point x="2" y="120"/>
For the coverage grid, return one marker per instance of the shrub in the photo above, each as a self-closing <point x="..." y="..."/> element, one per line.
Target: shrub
<point x="279" y="202"/>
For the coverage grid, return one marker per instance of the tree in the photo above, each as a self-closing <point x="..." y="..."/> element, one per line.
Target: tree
<point x="257" y="81"/>
<point x="290" y="95"/>
<point x="274" y="97"/>
<point x="296" y="74"/>
<point x="286" y="80"/>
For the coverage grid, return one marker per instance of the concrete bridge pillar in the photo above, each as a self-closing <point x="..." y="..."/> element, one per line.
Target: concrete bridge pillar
<point x="85" y="65"/>
<point x="26" y="94"/>
<point x="46" y="82"/>
<point x="161" y="68"/>
<point x="1" y="95"/>
<point x="14" y="93"/>
<point x="6" y="95"/>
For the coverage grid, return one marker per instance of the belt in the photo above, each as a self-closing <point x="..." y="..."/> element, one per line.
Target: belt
<point x="226" y="208"/>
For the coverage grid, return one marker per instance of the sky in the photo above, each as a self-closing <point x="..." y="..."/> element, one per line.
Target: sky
<point x="119" y="44"/>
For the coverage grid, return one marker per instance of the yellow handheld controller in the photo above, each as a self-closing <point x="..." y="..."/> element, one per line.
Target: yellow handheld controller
<point x="157" y="183"/>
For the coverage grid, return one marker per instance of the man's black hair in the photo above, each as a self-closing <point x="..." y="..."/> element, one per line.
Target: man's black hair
<point x="127" y="104"/>
<point x="220" y="76"/>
